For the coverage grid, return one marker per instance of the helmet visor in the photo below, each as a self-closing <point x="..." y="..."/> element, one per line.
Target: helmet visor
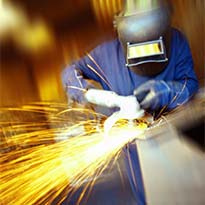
<point x="150" y="51"/>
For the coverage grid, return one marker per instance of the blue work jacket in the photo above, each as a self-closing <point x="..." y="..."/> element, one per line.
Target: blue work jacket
<point x="106" y="64"/>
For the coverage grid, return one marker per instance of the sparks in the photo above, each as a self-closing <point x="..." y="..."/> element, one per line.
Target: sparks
<point x="43" y="160"/>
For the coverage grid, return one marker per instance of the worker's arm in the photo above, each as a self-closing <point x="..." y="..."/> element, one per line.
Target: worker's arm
<point x="76" y="78"/>
<point x="80" y="76"/>
<point x="75" y="84"/>
<point x="155" y="94"/>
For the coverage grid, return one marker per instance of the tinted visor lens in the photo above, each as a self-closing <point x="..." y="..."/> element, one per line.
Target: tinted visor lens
<point x="151" y="51"/>
<point x="138" y="51"/>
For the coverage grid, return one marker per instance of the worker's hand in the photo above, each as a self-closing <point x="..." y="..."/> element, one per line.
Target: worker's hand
<point x="75" y="84"/>
<point x="155" y="94"/>
<point x="76" y="92"/>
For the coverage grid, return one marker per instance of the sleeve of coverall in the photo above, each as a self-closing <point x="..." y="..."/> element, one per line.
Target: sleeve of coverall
<point x="156" y="94"/>
<point x="75" y="78"/>
<point x="185" y="83"/>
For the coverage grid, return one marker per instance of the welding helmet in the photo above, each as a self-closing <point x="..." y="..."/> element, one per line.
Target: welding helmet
<point x="144" y="32"/>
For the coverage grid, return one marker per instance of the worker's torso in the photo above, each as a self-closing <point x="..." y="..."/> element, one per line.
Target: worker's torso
<point x="123" y="80"/>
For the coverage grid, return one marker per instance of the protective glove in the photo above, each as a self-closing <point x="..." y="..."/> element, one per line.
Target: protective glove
<point x="75" y="84"/>
<point x="155" y="94"/>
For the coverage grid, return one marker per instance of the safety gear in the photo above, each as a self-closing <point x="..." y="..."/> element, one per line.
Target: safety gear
<point x="144" y="33"/>
<point x="155" y="94"/>
<point x="129" y="106"/>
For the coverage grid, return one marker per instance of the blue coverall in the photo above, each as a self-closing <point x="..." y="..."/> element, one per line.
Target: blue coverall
<point x="109" y="61"/>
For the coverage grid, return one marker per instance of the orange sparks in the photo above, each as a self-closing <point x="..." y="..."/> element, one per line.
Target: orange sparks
<point x="57" y="156"/>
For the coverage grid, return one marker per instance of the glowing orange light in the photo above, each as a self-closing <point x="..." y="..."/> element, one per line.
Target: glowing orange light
<point x="41" y="167"/>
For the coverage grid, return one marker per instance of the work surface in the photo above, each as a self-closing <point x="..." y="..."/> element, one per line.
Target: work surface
<point x="172" y="165"/>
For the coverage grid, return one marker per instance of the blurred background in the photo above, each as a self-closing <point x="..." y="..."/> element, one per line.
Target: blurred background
<point x="39" y="38"/>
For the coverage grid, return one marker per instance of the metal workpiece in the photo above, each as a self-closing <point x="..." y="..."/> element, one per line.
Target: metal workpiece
<point x="173" y="171"/>
<point x="172" y="156"/>
<point x="183" y="119"/>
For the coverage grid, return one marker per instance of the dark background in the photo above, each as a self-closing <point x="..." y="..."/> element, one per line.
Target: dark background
<point x="44" y="36"/>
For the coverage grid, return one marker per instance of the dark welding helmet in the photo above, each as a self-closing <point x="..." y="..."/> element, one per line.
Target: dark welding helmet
<point x="144" y="32"/>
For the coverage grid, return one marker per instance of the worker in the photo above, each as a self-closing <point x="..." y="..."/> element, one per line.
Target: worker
<point x="149" y="59"/>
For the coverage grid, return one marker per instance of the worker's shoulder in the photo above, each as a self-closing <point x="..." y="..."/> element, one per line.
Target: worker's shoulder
<point x="109" y="44"/>
<point x="178" y="36"/>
